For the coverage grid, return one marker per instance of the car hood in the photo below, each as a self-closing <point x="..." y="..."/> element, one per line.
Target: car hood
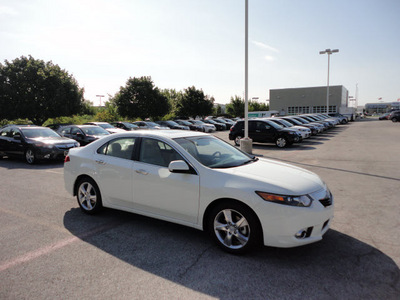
<point x="52" y="140"/>
<point x="275" y="177"/>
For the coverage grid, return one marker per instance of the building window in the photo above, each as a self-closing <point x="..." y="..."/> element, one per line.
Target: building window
<point x="297" y="110"/>
<point x="322" y="109"/>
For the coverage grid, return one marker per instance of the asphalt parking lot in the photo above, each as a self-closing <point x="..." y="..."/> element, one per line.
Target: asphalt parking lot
<point x="50" y="250"/>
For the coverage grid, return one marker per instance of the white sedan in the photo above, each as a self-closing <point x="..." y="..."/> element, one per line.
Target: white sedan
<point x="198" y="180"/>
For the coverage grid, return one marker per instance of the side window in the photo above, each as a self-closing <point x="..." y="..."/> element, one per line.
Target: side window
<point x="14" y="132"/>
<point x="121" y="148"/>
<point x="156" y="152"/>
<point x="75" y="130"/>
<point x="5" y="132"/>
<point x="65" y="130"/>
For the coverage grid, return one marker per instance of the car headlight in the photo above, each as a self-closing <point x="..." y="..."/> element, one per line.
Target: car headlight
<point x="77" y="144"/>
<point x="302" y="201"/>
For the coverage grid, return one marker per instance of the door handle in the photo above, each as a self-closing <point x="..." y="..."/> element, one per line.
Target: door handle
<point x="101" y="162"/>
<point x="141" y="171"/>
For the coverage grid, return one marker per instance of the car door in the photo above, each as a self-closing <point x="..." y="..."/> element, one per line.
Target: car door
<point x="16" y="143"/>
<point x="114" y="168"/>
<point x="159" y="192"/>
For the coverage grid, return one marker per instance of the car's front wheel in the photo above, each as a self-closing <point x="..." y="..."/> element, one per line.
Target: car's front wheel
<point x="234" y="227"/>
<point x="30" y="156"/>
<point x="88" y="196"/>
<point x="281" y="142"/>
<point x="394" y="119"/>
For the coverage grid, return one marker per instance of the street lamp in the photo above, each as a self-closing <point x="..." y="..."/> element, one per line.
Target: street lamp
<point x="246" y="143"/>
<point x="100" y="96"/>
<point x="329" y="52"/>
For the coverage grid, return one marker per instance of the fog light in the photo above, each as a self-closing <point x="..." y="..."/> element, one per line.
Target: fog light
<point x="301" y="234"/>
<point x="304" y="233"/>
<point x="47" y="156"/>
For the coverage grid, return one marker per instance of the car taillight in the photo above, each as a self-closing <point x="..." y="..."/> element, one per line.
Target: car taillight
<point x="66" y="159"/>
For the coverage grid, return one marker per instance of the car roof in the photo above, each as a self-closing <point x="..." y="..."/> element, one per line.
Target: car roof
<point x="170" y="134"/>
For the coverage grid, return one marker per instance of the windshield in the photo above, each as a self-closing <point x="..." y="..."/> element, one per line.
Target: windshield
<point x="172" y="123"/>
<point x="152" y="124"/>
<point x="130" y="125"/>
<point x="105" y="125"/>
<point x="286" y="123"/>
<point x="197" y="122"/>
<point x="39" y="133"/>
<point x="94" y="131"/>
<point x="273" y="124"/>
<point x="214" y="153"/>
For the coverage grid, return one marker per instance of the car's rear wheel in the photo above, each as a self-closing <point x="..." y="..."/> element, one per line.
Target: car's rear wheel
<point x="281" y="142"/>
<point x="234" y="227"/>
<point x="237" y="140"/>
<point x="30" y="156"/>
<point x="88" y="196"/>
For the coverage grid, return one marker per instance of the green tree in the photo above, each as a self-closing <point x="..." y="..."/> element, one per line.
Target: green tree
<point x="37" y="90"/>
<point x="194" y="103"/>
<point x="139" y="98"/>
<point x="257" y="106"/>
<point x="235" y="107"/>
<point x="173" y="97"/>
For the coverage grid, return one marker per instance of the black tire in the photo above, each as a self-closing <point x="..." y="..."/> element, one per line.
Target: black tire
<point x="237" y="140"/>
<point x="394" y="119"/>
<point x="234" y="227"/>
<point x="88" y="196"/>
<point x="281" y="142"/>
<point x="30" y="156"/>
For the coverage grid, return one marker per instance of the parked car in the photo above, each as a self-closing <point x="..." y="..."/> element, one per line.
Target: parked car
<point x="34" y="143"/>
<point x="205" y="127"/>
<point x="149" y="125"/>
<point x="218" y="126"/>
<point x="264" y="131"/>
<point x="197" y="180"/>
<point x="228" y="125"/>
<point x="84" y="134"/>
<point x="189" y="124"/>
<point x="125" y="125"/>
<point x="172" y="125"/>
<point x="384" y="116"/>
<point x="106" y="126"/>
<point x="304" y="131"/>
<point x="395" y="116"/>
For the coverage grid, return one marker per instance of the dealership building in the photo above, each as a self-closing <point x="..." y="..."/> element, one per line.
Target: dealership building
<point x="377" y="108"/>
<point x="293" y="101"/>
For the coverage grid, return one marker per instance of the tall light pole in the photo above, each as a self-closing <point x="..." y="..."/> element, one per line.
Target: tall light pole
<point x="329" y="52"/>
<point x="246" y="143"/>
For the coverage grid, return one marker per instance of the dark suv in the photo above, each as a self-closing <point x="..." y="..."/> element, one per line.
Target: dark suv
<point x="265" y="131"/>
<point x="395" y="116"/>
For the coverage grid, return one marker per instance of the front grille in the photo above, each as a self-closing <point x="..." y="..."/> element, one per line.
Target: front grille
<point x="65" y="146"/>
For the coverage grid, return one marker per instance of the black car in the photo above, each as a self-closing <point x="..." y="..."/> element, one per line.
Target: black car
<point x="173" y="125"/>
<point x="84" y="134"/>
<point x="395" y="116"/>
<point x="218" y="126"/>
<point x="264" y="131"/>
<point x="189" y="124"/>
<point x="125" y="125"/>
<point x="34" y="143"/>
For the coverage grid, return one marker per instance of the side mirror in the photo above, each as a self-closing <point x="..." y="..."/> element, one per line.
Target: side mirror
<point x="178" y="166"/>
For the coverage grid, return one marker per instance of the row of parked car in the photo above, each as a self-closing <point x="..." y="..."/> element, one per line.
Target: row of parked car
<point x="285" y="130"/>
<point x="35" y="143"/>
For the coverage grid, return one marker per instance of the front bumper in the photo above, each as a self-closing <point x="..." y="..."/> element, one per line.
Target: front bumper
<point x="281" y="224"/>
<point x="57" y="152"/>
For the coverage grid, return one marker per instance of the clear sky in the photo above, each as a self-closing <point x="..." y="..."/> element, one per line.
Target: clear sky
<point x="182" y="43"/>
